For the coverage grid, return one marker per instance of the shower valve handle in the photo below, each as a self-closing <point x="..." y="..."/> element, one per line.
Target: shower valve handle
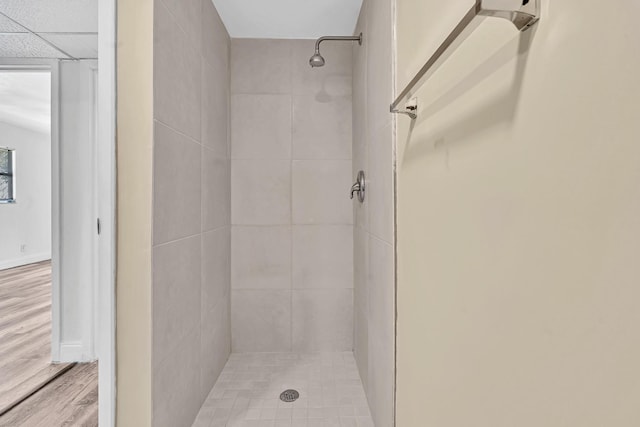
<point x="359" y="187"/>
<point x="355" y="188"/>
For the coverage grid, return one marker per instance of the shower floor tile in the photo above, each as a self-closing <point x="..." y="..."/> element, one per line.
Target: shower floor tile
<point x="247" y="393"/>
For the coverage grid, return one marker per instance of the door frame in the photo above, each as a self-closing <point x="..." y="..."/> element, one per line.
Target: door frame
<point x="106" y="201"/>
<point x="52" y="67"/>
<point x="106" y="339"/>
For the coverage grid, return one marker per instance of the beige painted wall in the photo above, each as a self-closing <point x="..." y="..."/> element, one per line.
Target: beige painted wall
<point x="519" y="221"/>
<point x="134" y="157"/>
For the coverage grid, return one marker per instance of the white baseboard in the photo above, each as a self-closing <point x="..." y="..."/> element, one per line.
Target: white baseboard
<point x="29" y="259"/>
<point x="73" y="352"/>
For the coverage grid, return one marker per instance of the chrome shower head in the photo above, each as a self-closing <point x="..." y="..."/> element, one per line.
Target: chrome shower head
<point x="317" y="60"/>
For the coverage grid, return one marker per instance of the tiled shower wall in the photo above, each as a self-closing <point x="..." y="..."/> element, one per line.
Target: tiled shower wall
<point x="292" y="237"/>
<point x="373" y="152"/>
<point x="191" y="331"/>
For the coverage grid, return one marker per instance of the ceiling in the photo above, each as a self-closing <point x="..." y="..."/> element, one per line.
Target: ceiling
<point x="65" y="29"/>
<point x="25" y="99"/>
<point x="288" y="19"/>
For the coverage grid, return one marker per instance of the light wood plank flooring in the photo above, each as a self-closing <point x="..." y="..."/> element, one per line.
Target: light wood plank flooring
<point x="69" y="400"/>
<point x="25" y="342"/>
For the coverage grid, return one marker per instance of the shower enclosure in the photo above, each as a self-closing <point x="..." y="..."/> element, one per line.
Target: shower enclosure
<point x="268" y="279"/>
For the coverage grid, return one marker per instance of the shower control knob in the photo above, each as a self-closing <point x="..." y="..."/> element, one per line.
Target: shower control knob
<point x="355" y="188"/>
<point x="359" y="187"/>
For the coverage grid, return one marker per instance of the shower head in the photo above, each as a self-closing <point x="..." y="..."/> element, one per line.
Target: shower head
<point x="317" y="60"/>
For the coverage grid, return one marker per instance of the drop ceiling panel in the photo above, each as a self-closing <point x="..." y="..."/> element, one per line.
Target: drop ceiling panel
<point x="8" y="26"/>
<point x="288" y="19"/>
<point x="53" y="16"/>
<point x="26" y="46"/>
<point x="83" y="46"/>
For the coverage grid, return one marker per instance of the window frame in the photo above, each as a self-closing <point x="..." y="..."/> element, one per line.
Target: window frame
<point x="11" y="174"/>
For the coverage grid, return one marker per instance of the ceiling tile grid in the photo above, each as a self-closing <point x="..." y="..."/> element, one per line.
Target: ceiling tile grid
<point x="76" y="45"/>
<point x="8" y="26"/>
<point x="53" y="16"/>
<point x="26" y="45"/>
<point x="49" y="29"/>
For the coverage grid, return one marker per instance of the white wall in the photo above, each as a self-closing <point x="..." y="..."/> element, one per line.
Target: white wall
<point x="292" y="240"/>
<point x="28" y="221"/>
<point x="519" y="220"/>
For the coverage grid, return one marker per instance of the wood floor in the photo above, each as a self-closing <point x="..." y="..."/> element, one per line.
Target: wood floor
<point x="25" y="354"/>
<point x="70" y="400"/>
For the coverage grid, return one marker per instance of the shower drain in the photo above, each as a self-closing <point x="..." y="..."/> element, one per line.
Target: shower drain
<point x="289" y="395"/>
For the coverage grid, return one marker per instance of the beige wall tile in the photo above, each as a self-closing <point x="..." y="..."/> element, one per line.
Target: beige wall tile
<point x="260" y="66"/>
<point x="187" y="15"/>
<point x="381" y="381"/>
<point x="373" y="152"/>
<point x="176" y="190"/>
<point x="260" y="192"/>
<point x="322" y="256"/>
<point x="215" y="39"/>
<point x="361" y="344"/>
<point x="216" y="191"/>
<point x="381" y="291"/>
<point x="215" y="344"/>
<point x="332" y="80"/>
<point x="322" y="129"/>
<point x="192" y="208"/>
<point x="261" y="320"/>
<point x="216" y="270"/>
<point x="177" y="85"/>
<point x="379" y="63"/>
<point x="175" y="384"/>
<point x="321" y="192"/>
<point x="380" y="184"/>
<point x="176" y="295"/>
<point x="261" y="257"/>
<point x="215" y="109"/>
<point x="261" y="126"/>
<point x="322" y="320"/>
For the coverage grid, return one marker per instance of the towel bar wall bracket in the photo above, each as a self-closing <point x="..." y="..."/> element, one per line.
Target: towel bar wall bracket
<point x="522" y="13"/>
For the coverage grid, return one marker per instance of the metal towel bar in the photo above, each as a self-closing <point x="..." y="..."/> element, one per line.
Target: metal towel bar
<point x="522" y="13"/>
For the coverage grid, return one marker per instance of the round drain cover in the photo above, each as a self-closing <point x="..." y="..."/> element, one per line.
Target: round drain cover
<point x="289" y="395"/>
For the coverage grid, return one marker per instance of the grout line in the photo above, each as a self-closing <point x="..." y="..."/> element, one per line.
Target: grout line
<point x="186" y="35"/>
<point x="293" y="159"/>
<point x="291" y="193"/>
<point x="181" y="239"/>
<point x="179" y="132"/>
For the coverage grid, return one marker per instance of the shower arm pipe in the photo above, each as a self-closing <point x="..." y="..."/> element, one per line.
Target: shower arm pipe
<point x="357" y="38"/>
<point x="522" y="13"/>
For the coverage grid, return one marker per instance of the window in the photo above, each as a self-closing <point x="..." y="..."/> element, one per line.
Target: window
<point x="7" y="182"/>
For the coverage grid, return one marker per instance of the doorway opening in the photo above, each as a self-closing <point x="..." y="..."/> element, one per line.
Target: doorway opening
<point x="48" y="257"/>
<point x="72" y="281"/>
